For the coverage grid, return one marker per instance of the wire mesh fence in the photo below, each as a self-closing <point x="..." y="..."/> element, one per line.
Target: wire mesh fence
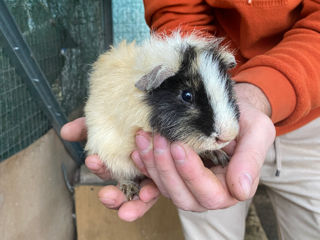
<point x="65" y="37"/>
<point x="21" y="120"/>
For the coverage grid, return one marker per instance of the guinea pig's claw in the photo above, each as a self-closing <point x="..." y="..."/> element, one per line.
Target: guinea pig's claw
<point x="217" y="157"/>
<point x="130" y="189"/>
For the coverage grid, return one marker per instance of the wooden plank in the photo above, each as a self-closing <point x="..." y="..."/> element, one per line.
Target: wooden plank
<point x="96" y="222"/>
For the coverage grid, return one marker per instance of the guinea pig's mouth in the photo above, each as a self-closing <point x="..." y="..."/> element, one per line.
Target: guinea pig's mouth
<point x="202" y="144"/>
<point x="221" y="141"/>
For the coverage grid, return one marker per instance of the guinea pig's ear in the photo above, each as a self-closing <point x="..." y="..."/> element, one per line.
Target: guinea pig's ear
<point x="228" y="59"/>
<point x="153" y="79"/>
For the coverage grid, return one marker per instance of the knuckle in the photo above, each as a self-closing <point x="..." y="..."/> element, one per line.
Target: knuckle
<point x="184" y="205"/>
<point x="190" y="175"/>
<point x="147" y="155"/>
<point x="164" y="193"/>
<point x="266" y="122"/>
<point x="213" y="202"/>
<point x="151" y="170"/>
<point x="148" y="160"/>
<point x="256" y="157"/>
<point x="164" y="166"/>
<point x="254" y="154"/>
<point x="164" y="171"/>
<point x="186" y="208"/>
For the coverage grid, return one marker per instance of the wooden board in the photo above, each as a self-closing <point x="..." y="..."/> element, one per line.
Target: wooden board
<point x="95" y="222"/>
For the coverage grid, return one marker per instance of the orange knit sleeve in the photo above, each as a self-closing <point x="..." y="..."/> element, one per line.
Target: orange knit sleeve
<point x="289" y="74"/>
<point x="168" y="15"/>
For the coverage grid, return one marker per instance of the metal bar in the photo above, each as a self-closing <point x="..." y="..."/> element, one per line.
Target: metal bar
<point x="20" y="53"/>
<point x="107" y="23"/>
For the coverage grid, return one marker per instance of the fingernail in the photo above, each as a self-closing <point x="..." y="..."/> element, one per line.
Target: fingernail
<point x="143" y="143"/>
<point x="246" y="183"/>
<point x="92" y="164"/>
<point x="137" y="160"/>
<point x="160" y="144"/>
<point x="106" y="199"/>
<point x="178" y="153"/>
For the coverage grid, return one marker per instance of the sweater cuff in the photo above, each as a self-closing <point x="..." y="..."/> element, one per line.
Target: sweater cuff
<point x="275" y="86"/>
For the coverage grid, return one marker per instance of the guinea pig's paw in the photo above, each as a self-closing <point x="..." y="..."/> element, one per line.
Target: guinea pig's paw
<point x="129" y="188"/>
<point x="217" y="157"/>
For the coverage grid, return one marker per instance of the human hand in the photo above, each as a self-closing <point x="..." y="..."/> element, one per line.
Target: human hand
<point x="179" y="173"/>
<point x="110" y="195"/>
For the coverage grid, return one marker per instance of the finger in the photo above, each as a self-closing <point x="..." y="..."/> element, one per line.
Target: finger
<point x="74" y="131"/>
<point x="95" y="165"/>
<point x="244" y="167"/>
<point x="145" y="149"/>
<point x="148" y="191"/>
<point x="208" y="189"/>
<point x="220" y="173"/>
<point x="229" y="149"/>
<point x="132" y="210"/>
<point x="135" y="156"/>
<point x="111" y="197"/>
<point x="170" y="178"/>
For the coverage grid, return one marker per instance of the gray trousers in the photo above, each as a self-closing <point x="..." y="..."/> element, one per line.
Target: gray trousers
<point x="295" y="194"/>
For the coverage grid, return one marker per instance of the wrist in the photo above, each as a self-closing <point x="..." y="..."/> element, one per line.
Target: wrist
<point x="250" y="94"/>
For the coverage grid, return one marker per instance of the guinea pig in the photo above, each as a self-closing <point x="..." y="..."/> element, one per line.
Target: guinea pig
<point x="176" y="86"/>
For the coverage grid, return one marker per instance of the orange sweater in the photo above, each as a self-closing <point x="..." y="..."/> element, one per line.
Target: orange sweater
<point x="277" y="44"/>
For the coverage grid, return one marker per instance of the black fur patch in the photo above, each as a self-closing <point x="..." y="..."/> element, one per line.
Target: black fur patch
<point x="170" y="115"/>
<point x="224" y="71"/>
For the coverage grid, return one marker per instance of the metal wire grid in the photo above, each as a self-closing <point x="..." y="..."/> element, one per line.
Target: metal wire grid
<point x="65" y="37"/>
<point x="22" y="122"/>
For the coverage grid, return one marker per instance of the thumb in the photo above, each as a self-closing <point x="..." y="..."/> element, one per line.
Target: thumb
<point x="245" y="165"/>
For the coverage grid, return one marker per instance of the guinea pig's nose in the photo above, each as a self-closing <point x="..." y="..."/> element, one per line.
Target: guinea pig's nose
<point x="221" y="141"/>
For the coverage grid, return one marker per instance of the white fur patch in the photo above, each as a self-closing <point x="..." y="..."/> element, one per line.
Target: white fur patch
<point x="226" y="124"/>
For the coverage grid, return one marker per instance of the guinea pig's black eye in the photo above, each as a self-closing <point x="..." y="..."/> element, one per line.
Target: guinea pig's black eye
<point x="186" y="96"/>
